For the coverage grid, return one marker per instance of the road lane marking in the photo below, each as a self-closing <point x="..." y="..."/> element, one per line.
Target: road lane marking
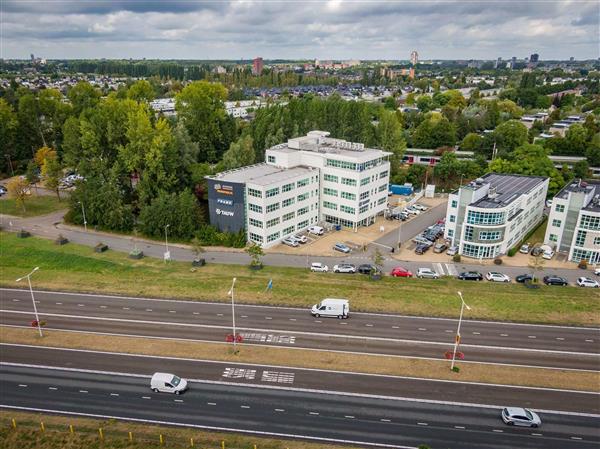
<point x="395" y="327"/>
<point x="244" y="406"/>
<point x="459" y="427"/>
<point x="125" y="308"/>
<point x="268" y="318"/>
<point x="59" y="303"/>
<point x="498" y="430"/>
<point x="196" y="313"/>
<point x="178" y="400"/>
<point x="349" y="416"/>
<point x="422" y="424"/>
<point x="148" y="310"/>
<point x="16" y="300"/>
<point x="576" y="438"/>
<point x="318" y="321"/>
<point x="560" y="338"/>
<point x="537" y="434"/>
<point x="422" y="329"/>
<point x="504" y="335"/>
<point x="23" y="385"/>
<point x="80" y="305"/>
<point x="280" y="410"/>
<point x="476" y="333"/>
<point x="114" y="394"/>
<point x="449" y="330"/>
<point x="385" y="420"/>
<point x="103" y="307"/>
<point x="369" y="325"/>
<point x="531" y="336"/>
<point x="83" y="391"/>
<point x="293" y="319"/>
<point x="244" y="316"/>
<point x="172" y="311"/>
<point x="219" y="314"/>
<point x="52" y="388"/>
<point x="211" y="403"/>
<point x="590" y="341"/>
<point x="313" y="413"/>
<point x="145" y="397"/>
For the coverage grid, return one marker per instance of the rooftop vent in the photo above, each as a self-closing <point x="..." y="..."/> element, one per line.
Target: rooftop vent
<point x="492" y="193"/>
<point x="479" y="181"/>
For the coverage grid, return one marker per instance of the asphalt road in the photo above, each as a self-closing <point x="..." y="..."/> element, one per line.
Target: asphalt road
<point x="289" y="413"/>
<point x="307" y="379"/>
<point x="549" y="346"/>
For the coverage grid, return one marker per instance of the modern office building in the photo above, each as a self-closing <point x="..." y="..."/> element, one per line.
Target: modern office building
<point x="490" y="215"/>
<point x="308" y="180"/>
<point x="574" y="221"/>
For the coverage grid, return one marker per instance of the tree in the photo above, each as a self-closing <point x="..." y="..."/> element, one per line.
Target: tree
<point x="140" y="91"/>
<point x="256" y="252"/>
<point x="71" y="144"/>
<point x="32" y="174"/>
<point x="434" y="132"/>
<point x="18" y="188"/>
<point x="472" y="142"/>
<point x="52" y="174"/>
<point x="509" y="135"/>
<point x="180" y="211"/>
<point x="197" y="247"/>
<point x="581" y="169"/>
<point x="240" y="153"/>
<point x="8" y="129"/>
<point x="448" y="170"/>
<point x="416" y="174"/>
<point x="390" y="138"/>
<point x="576" y="139"/>
<point x="44" y="154"/>
<point x="83" y="96"/>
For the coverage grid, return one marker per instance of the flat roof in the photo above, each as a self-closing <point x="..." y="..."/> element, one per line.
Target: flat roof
<point x="260" y="174"/>
<point x="588" y="187"/>
<point x="508" y="188"/>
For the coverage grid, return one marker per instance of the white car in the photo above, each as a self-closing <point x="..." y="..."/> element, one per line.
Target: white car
<point x="494" y="276"/>
<point x="548" y="255"/>
<point x="517" y="416"/>
<point x="452" y="250"/>
<point x="299" y="238"/>
<point x="597" y="271"/>
<point x="289" y="242"/>
<point x="420" y="207"/>
<point x="587" y="282"/>
<point x="319" y="267"/>
<point x="168" y="383"/>
<point x="411" y="210"/>
<point x="344" y="268"/>
<point x="317" y="230"/>
<point x="427" y="273"/>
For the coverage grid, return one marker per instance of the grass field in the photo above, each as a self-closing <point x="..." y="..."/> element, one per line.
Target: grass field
<point x="78" y="268"/>
<point x="34" y="205"/>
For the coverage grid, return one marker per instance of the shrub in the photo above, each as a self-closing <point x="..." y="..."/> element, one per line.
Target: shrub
<point x="209" y="236"/>
<point x="456" y="258"/>
<point x="512" y="251"/>
<point x="583" y="264"/>
<point x="181" y="212"/>
<point x="497" y="261"/>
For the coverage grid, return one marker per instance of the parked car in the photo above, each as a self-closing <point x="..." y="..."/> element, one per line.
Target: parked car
<point x="440" y="248"/>
<point x="494" y="276"/>
<point x="420" y="207"/>
<point x="344" y="268"/>
<point x="168" y="383"/>
<point x="403" y="216"/>
<point x="3" y="190"/>
<point x="587" y="282"/>
<point x="537" y="251"/>
<point x="516" y="416"/>
<point x="319" y="267"/>
<point x="548" y="254"/>
<point x="452" y="250"/>
<point x="411" y="210"/>
<point x="470" y="276"/>
<point x="317" y="230"/>
<point x="422" y="248"/>
<point x="427" y="273"/>
<point x="525" y="278"/>
<point x="366" y="268"/>
<point x="289" y="241"/>
<point x="400" y="272"/>
<point x="341" y="248"/>
<point x="597" y="271"/>
<point x="421" y="239"/>
<point x="525" y="248"/>
<point x="555" y="280"/>
<point x="299" y="238"/>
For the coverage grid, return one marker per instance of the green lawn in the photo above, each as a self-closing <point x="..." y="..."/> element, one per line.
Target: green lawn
<point x="78" y="268"/>
<point x="34" y="205"/>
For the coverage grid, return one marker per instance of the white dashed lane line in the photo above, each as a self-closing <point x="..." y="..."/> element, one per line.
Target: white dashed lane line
<point x="244" y="316"/>
<point x="349" y="416"/>
<point x="292" y="319"/>
<point x="590" y="341"/>
<point x="422" y="424"/>
<point x="531" y="336"/>
<point x="16" y="300"/>
<point x="476" y="333"/>
<point x="145" y="397"/>
<point x="80" y="305"/>
<point x="498" y="430"/>
<point x="314" y="413"/>
<point x="178" y="400"/>
<point x="83" y="391"/>
<point x="22" y="385"/>
<point x="103" y="307"/>
<point x="459" y="427"/>
<point x="196" y="313"/>
<point x="369" y="325"/>
<point x="395" y="327"/>
<point x="211" y="403"/>
<point x="60" y="304"/>
<point x="560" y="338"/>
<point x="279" y="410"/>
<point x="148" y="310"/>
<point x="52" y="388"/>
<point x="576" y="438"/>
<point x="244" y="406"/>
<point x="114" y="394"/>
<point x="219" y="314"/>
<point x="537" y="434"/>
<point x="449" y="330"/>
<point x="268" y="318"/>
<point x="385" y="420"/>
<point x="172" y="311"/>
<point x="125" y="308"/>
<point x="422" y="329"/>
<point x="318" y="321"/>
<point x="504" y="335"/>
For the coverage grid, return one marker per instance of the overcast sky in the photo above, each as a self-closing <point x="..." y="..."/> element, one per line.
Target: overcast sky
<point x="336" y="29"/>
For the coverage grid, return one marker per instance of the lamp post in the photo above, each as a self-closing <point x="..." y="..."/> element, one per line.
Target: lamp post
<point x="37" y="318"/>
<point x="457" y="339"/>
<point x="83" y="213"/>
<point x="233" y="312"/>
<point x="167" y="254"/>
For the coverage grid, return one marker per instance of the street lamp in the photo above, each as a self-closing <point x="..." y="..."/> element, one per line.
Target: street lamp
<point x="37" y="318"/>
<point x="457" y="339"/>
<point x="230" y="293"/>
<point x="167" y="254"/>
<point x="83" y="213"/>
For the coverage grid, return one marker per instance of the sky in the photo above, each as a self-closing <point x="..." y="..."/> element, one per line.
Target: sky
<point x="285" y="29"/>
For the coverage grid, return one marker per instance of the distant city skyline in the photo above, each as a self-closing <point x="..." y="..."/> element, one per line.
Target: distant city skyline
<point x="306" y="29"/>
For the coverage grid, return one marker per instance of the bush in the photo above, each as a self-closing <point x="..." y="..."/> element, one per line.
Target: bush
<point x="583" y="264"/>
<point x="136" y="254"/>
<point x="209" y="236"/>
<point x="512" y="251"/>
<point x="497" y="261"/>
<point x="61" y="240"/>
<point x="100" y="247"/>
<point x="181" y="212"/>
<point x="456" y="258"/>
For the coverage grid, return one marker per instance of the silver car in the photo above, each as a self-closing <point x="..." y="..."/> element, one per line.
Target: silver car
<point x="427" y="273"/>
<point x="517" y="416"/>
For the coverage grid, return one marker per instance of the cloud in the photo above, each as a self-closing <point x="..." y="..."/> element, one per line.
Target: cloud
<point x="291" y="29"/>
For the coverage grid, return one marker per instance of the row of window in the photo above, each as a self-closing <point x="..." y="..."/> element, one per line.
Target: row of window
<point x="486" y="218"/>
<point x="276" y="190"/>
<point x="276" y="235"/>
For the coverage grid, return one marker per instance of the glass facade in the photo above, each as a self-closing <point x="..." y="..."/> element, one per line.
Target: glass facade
<point x="331" y="192"/>
<point x="330" y="178"/>
<point x="254" y="192"/>
<point x="341" y="164"/>
<point x="272" y="192"/>
<point x="486" y="218"/>
<point x="590" y="222"/>
<point x="348" y="181"/>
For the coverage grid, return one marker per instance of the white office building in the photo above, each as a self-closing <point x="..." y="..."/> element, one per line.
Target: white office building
<point x="574" y="221"/>
<point x="308" y="180"/>
<point x="490" y="215"/>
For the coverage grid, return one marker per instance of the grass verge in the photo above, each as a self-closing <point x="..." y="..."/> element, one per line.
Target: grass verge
<point x="86" y="435"/>
<point x="34" y="205"/>
<point x="77" y="268"/>
<point x="396" y="366"/>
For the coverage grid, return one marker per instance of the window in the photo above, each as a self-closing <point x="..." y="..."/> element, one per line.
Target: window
<point x="303" y="197"/>
<point x="365" y="181"/>
<point x="454" y="203"/>
<point x="381" y="201"/>
<point x="341" y="164"/>
<point x="348" y="210"/>
<point x="256" y="238"/>
<point x="348" y="196"/>
<point x="288" y="230"/>
<point x="348" y="182"/>
<point x="302" y="225"/>
<point x="364" y="195"/>
<point x="273" y="237"/>
<point x="383" y="187"/>
<point x="288" y="216"/>
<point x="254" y="192"/>
<point x="450" y="232"/>
<point x="475" y="217"/>
<point x="363" y="209"/>
<point x="272" y="192"/>
<point x="303" y="210"/>
<point x="271" y="159"/>
<point x="254" y="208"/>
<point x="254" y="222"/>
<point x="273" y="222"/>
<point x="489" y="235"/>
<point x="452" y="218"/>
<point x="469" y="233"/>
<point x="596" y="240"/>
<point x="590" y="222"/>
<point x="553" y="238"/>
<point x="331" y="192"/>
<point x="580" y="239"/>
<point x="287" y="187"/>
<point x="328" y="205"/>
<point x="330" y="178"/>
<point x="272" y="207"/>
<point x="286" y="203"/>
<point x="383" y="174"/>
<point x="303" y="182"/>
<point x="559" y="208"/>
<point x="556" y="223"/>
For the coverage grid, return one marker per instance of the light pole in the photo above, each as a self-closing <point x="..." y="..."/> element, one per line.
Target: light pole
<point x="457" y="339"/>
<point x="83" y="213"/>
<point x="37" y="318"/>
<point x="167" y="254"/>
<point x="233" y="311"/>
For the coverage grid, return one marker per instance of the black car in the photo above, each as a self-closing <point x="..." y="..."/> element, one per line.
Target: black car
<point x="525" y="278"/>
<point x="422" y="248"/>
<point x="366" y="268"/>
<point x="555" y="280"/>
<point x="537" y="251"/>
<point x="470" y="276"/>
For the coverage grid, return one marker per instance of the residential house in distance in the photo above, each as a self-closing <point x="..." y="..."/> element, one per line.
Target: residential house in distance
<point x="574" y="221"/>
<point x="490" y="215"/>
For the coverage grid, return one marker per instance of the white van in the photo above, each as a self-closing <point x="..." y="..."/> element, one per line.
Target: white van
<point x="331" y="307"/>
<point x="317" y="230"/>
<point x="168" y="383"/>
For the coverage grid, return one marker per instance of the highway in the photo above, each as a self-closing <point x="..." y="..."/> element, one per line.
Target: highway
<point x="494" y="342"/>
<point x="293" y="414"/>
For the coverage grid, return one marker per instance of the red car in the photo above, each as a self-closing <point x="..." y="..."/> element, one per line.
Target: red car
<point x="401" y="272"/>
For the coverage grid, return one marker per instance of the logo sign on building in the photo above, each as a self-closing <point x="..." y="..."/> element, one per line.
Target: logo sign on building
<point x="224" y="189"/>
<point x="227" y="213"/>
<point x="226" y="205"/>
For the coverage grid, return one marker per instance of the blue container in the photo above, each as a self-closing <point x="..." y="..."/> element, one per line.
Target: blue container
<point x="338" y="227"/>
<point x="401" y="190"/>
